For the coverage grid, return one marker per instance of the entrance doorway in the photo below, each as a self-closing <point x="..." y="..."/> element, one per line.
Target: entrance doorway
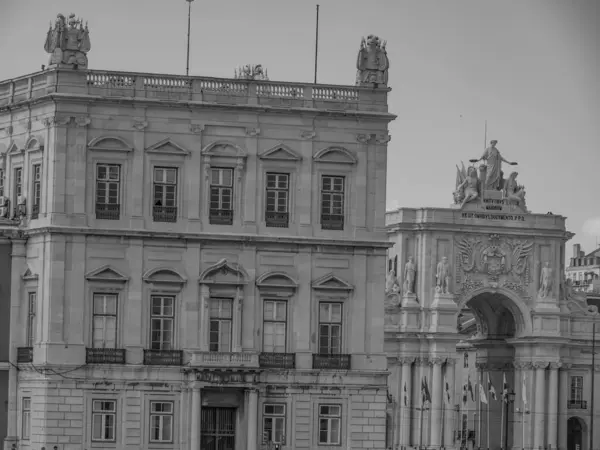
<point x="574" y="434"/>
<point x="217" y="428"/>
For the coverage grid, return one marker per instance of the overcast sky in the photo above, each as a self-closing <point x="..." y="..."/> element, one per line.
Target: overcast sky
<point x="531" y="68"/>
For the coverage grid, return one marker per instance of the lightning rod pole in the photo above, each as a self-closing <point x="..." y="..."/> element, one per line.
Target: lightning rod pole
<point x="187" y="66"/>
<point x="317" y="45"/>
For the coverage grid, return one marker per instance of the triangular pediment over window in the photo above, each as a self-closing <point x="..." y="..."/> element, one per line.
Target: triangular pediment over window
<point x="336" y="155"/>
<point x="169" y="147"/>
<point x="109" y="144"/>
<point x="280" y="152"/>
<point x="276" y="280"/>
<point x="106" y="273"/>
<point x="332" y="283"/>
<point x="224" y="273"/>
<point x="13" y="148"/>
<point x="28" y="275"/>
<point x="224" y="149"/>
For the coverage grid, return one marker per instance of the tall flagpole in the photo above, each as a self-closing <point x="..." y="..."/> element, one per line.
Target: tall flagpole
<point x="187" y="66"/>
<point x="485" y="136"/>
<point x="317" y="45"/>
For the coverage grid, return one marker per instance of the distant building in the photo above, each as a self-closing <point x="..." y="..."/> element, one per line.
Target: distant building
<point x="584" y="270"/>
<point x="5" y="326"/>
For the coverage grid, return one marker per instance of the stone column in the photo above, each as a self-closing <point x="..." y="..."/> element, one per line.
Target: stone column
<point x="449" y="419"/>
<point x="553" y="394"/>
<point x="415" y="402"/>
<point x="563" y="394"/>
<point x="236" y="332"/>
<point x="252" y="418"/>
<point x="195" y="422"/>
<point x="436" y="402"/>
<point x="405" y="400"/>
<point x="204" y="325"/>
<point x="539" y="413"/>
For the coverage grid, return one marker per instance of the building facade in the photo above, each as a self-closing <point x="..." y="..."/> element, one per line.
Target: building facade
<point x="478" y="311"/>
<point x="5" y="282"/>
<point x="195" y="261"/>
<point x="584" y="270"/>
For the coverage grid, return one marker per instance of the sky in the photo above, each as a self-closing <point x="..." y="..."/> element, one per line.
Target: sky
<point x="531" y="69"/>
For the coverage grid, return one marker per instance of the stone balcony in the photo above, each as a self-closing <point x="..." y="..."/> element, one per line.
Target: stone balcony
<point x="224" y="359"/>
<point x="162" y="87"/>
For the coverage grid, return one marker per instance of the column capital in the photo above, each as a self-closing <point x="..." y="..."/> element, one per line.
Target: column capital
<point x="481" y="365"/>
<point x="555" y="365"/>
<point x="406" y="360"/>
<point x="436" y="361"/>
<point x="421" y="361"/>
<point x="523" y="365"/>
<point x="204" y="290"/>
<point x="566" y="366"/>
<point x="541" y="364"/>
<point x="450" y="361"/>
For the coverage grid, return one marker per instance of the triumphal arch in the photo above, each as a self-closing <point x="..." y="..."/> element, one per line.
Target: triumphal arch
<point x="484" y="335"/>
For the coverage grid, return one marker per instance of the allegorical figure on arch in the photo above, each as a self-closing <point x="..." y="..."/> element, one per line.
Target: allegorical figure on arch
<point x="493" y="160"/>
<point x="372" y="63"/>
<point x="68" y="42"/>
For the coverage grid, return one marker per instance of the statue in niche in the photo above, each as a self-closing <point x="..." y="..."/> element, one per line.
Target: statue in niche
<point x="467" y="186"/>
<point x="410" y="271"/>
<point x="545" y="281"/>
<point x="68" y="43"/>
<point x="372" y="63"/>
<point x="391" y="282"/>
<point x="514" y="192"/>
<point x="443" y="277"/>
<point x="493" y="160"/>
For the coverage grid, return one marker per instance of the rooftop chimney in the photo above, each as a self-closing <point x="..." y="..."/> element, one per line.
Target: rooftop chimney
<point x="576" y="250"/>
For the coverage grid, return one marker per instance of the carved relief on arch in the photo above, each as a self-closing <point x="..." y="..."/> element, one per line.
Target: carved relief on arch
<point x="224" y="273"/>
<point x="109" y="144"/>
<point x="335" y="154"/>
<point x="278" y="281"/>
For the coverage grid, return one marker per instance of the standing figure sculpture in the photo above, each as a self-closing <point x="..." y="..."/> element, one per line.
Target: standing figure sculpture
<point x="68" y="43"/>
<point x="372" y="63"/>
<point x="493" y="161"/>
<point x="545" y="281"/>
<point x="443" y="277"/>
<point x="409" y="276"/>
<point x="468" y="189"/>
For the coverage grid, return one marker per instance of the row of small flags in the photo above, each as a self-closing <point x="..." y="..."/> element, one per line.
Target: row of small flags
<point x="468" y="388"/>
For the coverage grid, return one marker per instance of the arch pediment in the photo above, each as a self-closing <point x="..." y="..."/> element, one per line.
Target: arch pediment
<point x="330" y="282"/>
<point x="224" y="273"/>
<point x="34" y="143"/>
<point x="280" y="152"/>
<point x="164" y="275"/>
<point x="168" y="147"/>
<point x="110" y="144"/>
<point x="335" y="154"/>
<point x="106" y="273"/>
<point x="276" y="280"/>
<point x="224" y="149"/>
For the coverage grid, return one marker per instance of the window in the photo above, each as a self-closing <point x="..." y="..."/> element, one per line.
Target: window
<point x="18" y="184"/>
<point x="1" y="182"/>
<point x="332" y="202"/>
<point x="161" y="421"/>
<point x="36" y="190"/>
<point x="26" y="418"/>
<point x="276" y="212"/>
<point x="330" y="424"/>
<point x="273" y="423"/>
<point x="164" y="207"/>
<point x="221" y="196"/>
<point x="330" y="328"/>
<point x="576" y="389"/>
<point x="221" y="310"/>
<point x="104" y="414"/>
<point x="31" y="323"/>
<point x="274" y="326"/>
<point x="163" y="317"/>
<point x="104" y="333"/>
<point x="108" y="191"/>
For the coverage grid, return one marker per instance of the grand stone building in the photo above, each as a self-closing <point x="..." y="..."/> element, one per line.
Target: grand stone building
<point x="477" y="307"/>
<point x="195" y="261"/>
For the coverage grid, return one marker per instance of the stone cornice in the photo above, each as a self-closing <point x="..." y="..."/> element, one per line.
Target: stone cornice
<point x="206" y="236"/>
<point x="518" y="230"/>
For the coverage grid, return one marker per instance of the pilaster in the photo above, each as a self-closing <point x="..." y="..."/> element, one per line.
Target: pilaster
<point x="251" y="410"/>
<point x="449" y="420"/>
<point x="133" y="338"/>
<point x="436" y="402"/>
<point x="405" y="400"/>
<point x="553" y="395"/>
<point x="563" y="394"/>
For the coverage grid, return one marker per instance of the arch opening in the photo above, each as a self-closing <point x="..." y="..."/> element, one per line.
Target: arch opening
<point x="576" y="434"/>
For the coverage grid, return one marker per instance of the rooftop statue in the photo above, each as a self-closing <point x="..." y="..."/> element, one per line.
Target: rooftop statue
<point x="468" y="186"/>
<point x="493" y="161"/>
<point x="68" y="42"/>
<point x="514" y="192"/>
<point x="372" y="63"/>
<point x="251" y="72"/>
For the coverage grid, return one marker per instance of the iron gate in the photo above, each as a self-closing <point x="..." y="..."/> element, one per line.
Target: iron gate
<point x="217" y="429"/>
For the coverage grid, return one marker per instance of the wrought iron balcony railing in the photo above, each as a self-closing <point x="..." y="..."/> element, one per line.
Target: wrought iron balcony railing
<point x="277" y="219"/>
<point x="224" y="359"/>
<point x="277" y="360"/>
<point x="163" y="357"/>
<point x="164" y="213"/>
<point x="108" y="211"/>
<point x="221" y="217"/>
<point x="105" y="356"/>
<point x="331" y="361"/>
<point x="332" y="221"/>
<point x="577" y="404"/>
<point x="24" y="354"/>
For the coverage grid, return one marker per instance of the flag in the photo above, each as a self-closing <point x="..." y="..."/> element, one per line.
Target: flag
<point x="524" y="390"/>
<point x="482" y="397"/>
<point x="405" y="395"/>
<point x="504" y="388"/>
<point x="470" y="388"/>
<point x="425" y="390"/>
<point x="447" y="386"/>
<point x="491" y="388"/>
